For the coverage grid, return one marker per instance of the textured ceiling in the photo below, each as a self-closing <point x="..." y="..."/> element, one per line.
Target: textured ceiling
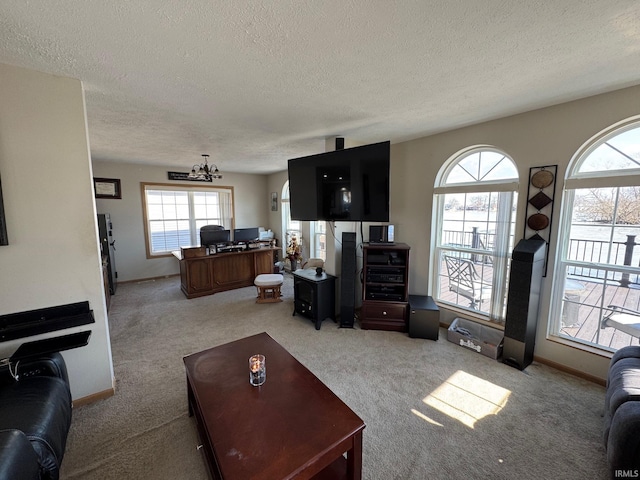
<point x="254" y="83"/>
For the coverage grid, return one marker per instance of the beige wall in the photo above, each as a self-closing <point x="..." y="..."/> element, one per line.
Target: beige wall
<point x="53" y="253"/>
<point x="548" y="136"/>
<point x="42" y="123"/>
<point x="251" y="208"/>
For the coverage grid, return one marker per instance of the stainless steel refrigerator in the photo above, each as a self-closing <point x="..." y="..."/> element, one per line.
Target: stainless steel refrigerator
<point x="108" y="247"/>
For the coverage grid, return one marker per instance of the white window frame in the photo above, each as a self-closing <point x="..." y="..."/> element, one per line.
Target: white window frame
<point x="577" y="180"/>
<point x="499" y="252"/>
<point x="318" y="244"/>
<point x="290" y="227"/>
<point x="225" y="215"/>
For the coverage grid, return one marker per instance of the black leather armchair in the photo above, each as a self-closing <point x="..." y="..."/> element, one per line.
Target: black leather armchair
<point x="35" y="417"/>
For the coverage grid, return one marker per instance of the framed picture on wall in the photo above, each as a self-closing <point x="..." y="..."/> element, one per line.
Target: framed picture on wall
<point x="107" y="187"/>
<point x="274" y="201"/>
<point x="4" y="240"/>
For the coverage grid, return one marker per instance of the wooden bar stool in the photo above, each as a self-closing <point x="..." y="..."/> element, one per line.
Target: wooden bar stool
<point x="268" y="285"/>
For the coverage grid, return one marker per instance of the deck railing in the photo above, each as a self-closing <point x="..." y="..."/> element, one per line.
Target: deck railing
<point x="581" y="314"/>
<point x="473" y="239"/>
<point x="603" y="252"/>
<point x="588" y="251"/>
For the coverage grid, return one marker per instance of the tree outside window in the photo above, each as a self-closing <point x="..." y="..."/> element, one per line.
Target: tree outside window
<point x="598" y="259"/>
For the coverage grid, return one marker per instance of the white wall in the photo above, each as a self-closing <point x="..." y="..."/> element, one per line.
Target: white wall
<point x="53" y="256"/>
<point x="252" y="209"/>
<point x="548" y="136"/>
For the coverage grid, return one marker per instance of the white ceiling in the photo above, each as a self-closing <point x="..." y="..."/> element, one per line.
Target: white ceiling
<point x="256" y="82"/>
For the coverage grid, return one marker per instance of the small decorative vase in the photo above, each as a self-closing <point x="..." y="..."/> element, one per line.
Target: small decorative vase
<point x="294" y="265"/>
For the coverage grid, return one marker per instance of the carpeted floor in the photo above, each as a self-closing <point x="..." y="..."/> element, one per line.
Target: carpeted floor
<point x="433" y="410"/>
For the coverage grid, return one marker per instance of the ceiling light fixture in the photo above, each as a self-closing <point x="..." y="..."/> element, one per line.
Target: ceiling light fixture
<point x="204" y="171"/>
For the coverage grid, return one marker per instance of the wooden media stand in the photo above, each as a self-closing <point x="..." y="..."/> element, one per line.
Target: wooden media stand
<point x="385" y="292"/>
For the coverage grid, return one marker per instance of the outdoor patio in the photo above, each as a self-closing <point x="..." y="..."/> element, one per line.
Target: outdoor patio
<point x="581" y="317"/>
<point x="582" y="320"/>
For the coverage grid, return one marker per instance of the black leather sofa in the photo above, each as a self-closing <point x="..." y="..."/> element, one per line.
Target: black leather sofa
<point x="35" y="417"/>
<point x="622" y="413"/>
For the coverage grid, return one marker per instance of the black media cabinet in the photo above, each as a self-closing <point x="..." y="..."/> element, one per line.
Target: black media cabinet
<point x="314" y="295"/>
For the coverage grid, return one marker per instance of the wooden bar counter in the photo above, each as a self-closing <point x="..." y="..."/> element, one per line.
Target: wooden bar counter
<point x="202" y="274"/>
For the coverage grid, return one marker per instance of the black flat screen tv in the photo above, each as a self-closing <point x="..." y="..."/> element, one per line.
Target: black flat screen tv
<point x="351" y="184"/>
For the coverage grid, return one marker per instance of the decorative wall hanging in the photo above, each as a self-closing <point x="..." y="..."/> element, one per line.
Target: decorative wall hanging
<point x="274" y="201"/>
<point x="107" y="187"/>
<point x="540" y="196"/>
<point x="186" y="177"/>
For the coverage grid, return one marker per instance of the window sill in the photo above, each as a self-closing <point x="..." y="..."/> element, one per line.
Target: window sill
<point x="470" y="315"/>
<point x="579" y="346"/>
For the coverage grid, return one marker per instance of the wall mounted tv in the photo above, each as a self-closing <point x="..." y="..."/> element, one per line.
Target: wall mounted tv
<point x="351" y="184"/>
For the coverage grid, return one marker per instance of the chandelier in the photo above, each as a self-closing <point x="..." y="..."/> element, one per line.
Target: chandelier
<point x="204" y="171"/>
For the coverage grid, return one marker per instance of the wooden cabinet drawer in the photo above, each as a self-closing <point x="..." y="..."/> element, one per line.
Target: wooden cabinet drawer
<point x="385" y="310"/>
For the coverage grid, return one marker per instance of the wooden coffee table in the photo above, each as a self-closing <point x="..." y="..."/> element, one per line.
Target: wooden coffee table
<point x="292" y="426"/>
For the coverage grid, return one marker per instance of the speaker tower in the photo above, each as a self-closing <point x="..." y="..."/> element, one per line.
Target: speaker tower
<point x="348" y="280"/>
<point x="525" y="284"/>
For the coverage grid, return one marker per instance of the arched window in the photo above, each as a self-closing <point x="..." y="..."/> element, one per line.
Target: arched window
<point x="474" y="204"/>
<point x="596" y="291"/>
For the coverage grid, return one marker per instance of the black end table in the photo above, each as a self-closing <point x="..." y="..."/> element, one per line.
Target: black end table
<point x="314" y="295"/>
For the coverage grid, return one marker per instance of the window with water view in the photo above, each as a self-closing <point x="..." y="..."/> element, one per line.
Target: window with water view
<point x="475" y="204"/>
<point x="596" y="287"/>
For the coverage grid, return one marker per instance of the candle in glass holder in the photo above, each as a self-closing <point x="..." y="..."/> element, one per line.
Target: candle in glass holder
<point x="257" y="370"/>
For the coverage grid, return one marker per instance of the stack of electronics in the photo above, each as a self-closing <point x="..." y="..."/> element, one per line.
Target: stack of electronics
<point x="385" y="258"/>
<point x="385" y="275"/>
<point x="385" y="292"/>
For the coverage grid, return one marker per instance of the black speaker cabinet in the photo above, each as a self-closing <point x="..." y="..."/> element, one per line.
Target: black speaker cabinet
<point x="525" y="284"/>
<point x="348" y="280"/>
